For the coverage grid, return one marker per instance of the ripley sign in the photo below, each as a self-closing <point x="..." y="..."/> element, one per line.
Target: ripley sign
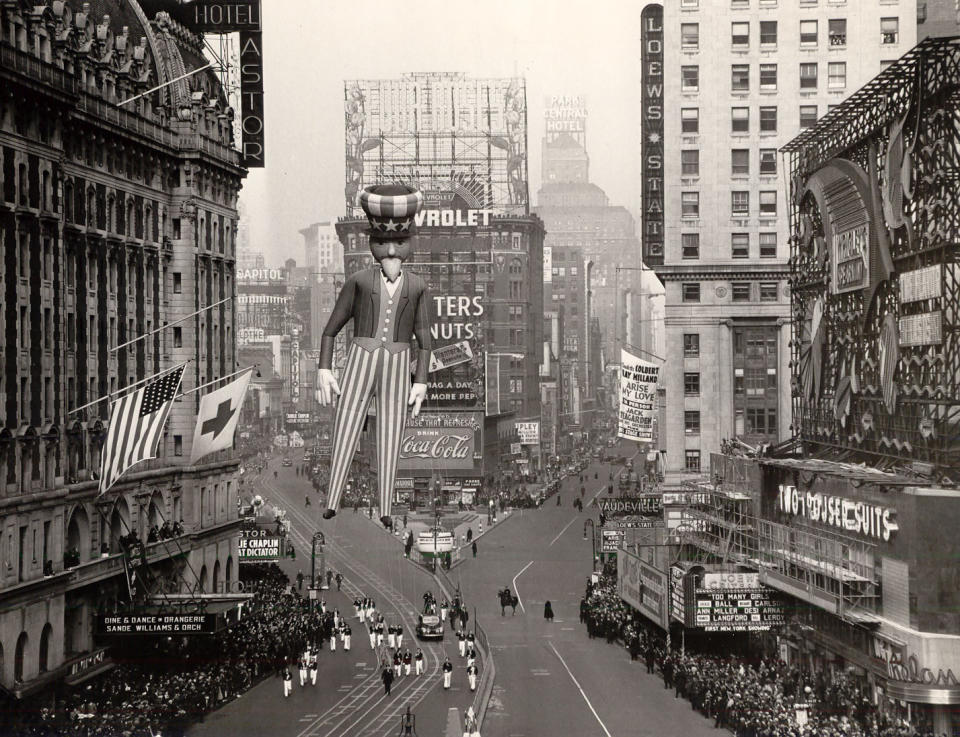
<point x="442" y="440"/>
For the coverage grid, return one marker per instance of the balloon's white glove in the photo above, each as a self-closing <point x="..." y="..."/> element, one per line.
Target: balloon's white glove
<point x="418" y="392"/>
<point x="327" y="386"/>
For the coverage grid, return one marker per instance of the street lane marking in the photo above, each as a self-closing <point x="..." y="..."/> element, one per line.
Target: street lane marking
<point x="562" y="531"/>
<point x="567" y="629"/>
<point x="516" y="591"/>
<point x="580" y="689"/>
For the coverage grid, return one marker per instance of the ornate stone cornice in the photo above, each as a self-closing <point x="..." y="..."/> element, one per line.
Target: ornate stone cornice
<point x="722" y="272"/>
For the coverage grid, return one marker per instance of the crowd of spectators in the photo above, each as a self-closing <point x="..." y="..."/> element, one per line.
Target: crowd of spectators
<point x="751" y="698"/>
<point x="183" y="679"/>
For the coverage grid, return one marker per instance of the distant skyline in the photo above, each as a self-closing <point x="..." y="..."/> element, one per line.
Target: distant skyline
<point x="310" y="48"/>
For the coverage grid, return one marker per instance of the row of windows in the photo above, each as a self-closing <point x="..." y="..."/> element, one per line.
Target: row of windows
<point x="740" y="76"/>
<point x="809" y="33"/>
<point x="739" y="162"/>
<point x="739" y="245"/>
<point x="740" y="291"/>
<point x="743" y="4"/>
<point x="759" y="420"/>
<point x="739" y="204"/>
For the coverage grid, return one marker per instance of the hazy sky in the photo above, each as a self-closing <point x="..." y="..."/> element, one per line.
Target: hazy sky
<point x="561" y="47"/>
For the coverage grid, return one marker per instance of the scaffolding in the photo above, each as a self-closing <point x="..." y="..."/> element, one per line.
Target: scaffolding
<point x="461" y="141"/>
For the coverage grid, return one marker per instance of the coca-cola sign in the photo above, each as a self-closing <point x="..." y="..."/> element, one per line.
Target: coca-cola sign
<point x="442" y="440"/>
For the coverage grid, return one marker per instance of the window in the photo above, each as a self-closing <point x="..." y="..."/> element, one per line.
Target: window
<point x="838" y="31"/>
<point x="768" y="203"/>
<point x="836" y="75"/>
<point x="768" y="33"/>
<point x="768" y="77"/>
<point x="690" y="78"/>
<point x="768" y="161"/>
<point x="740" y="34"/>
<point x="691" y="384"/>
<point x="690" y="120"/>
<point x="691" y="245"/>
<point x="177" y="283"/>
<point x="690" y="36"/>
<point x="768" y="119"/>
<point x="768" y="291"/>
<point x="691" y="422"/>
<point x="756" y="382"/>
<point x="740" y="291"/>
<point x="740" y="203"/>
<point x="740" y="245"/>
<point x="768" y="245"/>
<point x="740" y="161"/>
<point x="690" y="204"/>
<point x="178" y="445"/>
<point x="692" y="461"/>
<point x="808" y="76"/>
<point x="177" y="337"/>
<point x="740" y="119"/>
<point x="889" y="31"/>
<point x="691" y="345"/>
<point x="808" y="33"/>
<point x="808" y="116"/>
<point x="740" y="77"/>
<point x="690" y="163"/>
<point x="689" y="3"/>
<point x="691" y="292"/>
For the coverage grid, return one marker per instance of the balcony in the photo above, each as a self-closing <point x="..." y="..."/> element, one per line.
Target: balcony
<point x="12" y="59"/>
<point x="210" y="147"/>
<point x="129" y="121"/>
<point x="112" y="565"/>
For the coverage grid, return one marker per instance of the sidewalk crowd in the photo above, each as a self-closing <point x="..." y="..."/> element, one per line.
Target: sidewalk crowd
<point x="750" y="698"/>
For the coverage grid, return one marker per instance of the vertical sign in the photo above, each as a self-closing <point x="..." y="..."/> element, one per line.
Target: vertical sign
<point x="638" y="395"/>
<point x="547" y="264"/>
<point x="251" y="98"/>
<point x="652" y="128"/>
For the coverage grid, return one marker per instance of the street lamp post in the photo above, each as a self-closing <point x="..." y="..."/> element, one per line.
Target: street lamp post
<point x="593" y="533"/>
<point x="317" y="538"/>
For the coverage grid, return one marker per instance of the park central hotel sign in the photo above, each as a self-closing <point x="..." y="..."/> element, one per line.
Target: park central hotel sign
<point x="652" y="127"/>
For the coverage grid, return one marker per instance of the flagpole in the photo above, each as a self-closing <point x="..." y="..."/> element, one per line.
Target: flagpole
<point x="222" y="378"/>
<point x="128" y="387"/>
<point x="168" y="324"/>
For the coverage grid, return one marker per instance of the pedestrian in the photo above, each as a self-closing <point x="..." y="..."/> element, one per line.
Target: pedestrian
<point x="472" y="672"/>
<point x="347" y="632"/>
<point x="418" y="658"/>
<point x="443" y="609"/>
<point x="462" y="643"/>
<point x="473" y="548"/>
<point x="399" y="635"/>
<point x="314" y="667"/>
<point x="558" y="500"/>
<point x="514" y="600"/>
<point x="447" y="673"/>
<point x="387" y="678"/>
<point x="339" y="578"/>
<point x="300" y="580"/>
<point x="469" y="534"/>
<point x="287" y="682"/>
<point x="329" y="577"/>
<point x="547" y="611"/>
<point x="407" y="662"/>
<point x="323" y="606"/>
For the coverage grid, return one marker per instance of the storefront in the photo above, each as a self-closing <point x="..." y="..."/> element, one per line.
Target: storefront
<point x="403" y="490"/>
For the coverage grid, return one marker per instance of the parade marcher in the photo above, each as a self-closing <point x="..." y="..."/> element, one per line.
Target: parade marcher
<point x="356" y="609"/>
<point x="373" y="636"/>
<point x="347" y="632"/>
<point x="472" y="672"/>
<point x="447" y="673"/>
<point x="407" y="661"/>
<point x="391" y="636"/>
<point x="443" y="609"/>
<point x="397" y="664"/>
<point x="462" y="643"/>
<point x="418" y="659"/>
<point x="399" y="635"/>
<point x="379" y="633"/>
<point x="303" y="670"/>
<point x="329" y="578"/>
<point x="287" y="682"/>
<point x="548" y="611"/>
<point x="471" y="657"/>
<point x="471" y="641"/>
<point x="387" y="678"/>
<point x="314" y="666"/>
<point x="333" y="642"/>
<point x="464" y="616"/>
<point x="339" y="580"/>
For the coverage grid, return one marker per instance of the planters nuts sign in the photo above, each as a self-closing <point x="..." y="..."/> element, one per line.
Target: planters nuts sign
<point x="442" y="440"/>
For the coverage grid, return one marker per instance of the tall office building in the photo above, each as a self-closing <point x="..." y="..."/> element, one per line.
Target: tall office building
<point x="322" y="249"/>
<point x="114" y="221"/>
<point x="740" y="79"/>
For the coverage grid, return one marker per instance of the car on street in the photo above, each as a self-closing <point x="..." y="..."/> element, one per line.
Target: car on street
<point x="287" y="462"/>
<point x="429" y="627"/>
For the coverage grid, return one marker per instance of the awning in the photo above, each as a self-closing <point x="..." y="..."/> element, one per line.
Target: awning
<point x="86" y="675"/>
<point x="918" y="693"/>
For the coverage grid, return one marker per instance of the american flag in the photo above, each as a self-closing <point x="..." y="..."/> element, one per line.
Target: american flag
<point x="136" y="423"/>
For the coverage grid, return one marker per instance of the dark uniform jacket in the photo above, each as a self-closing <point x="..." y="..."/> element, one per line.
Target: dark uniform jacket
<point x="360" y="299"/>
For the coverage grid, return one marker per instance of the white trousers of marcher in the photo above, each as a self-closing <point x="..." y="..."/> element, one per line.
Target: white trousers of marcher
<point x="356" y="613"/>
<point x="373" y="640"/>
<point x="396" y="670"/>
<point x="333" y="642"/>
<point x="443" y="614"/>
<point x="463" y="648"/>
<point x="379" y="638"/>
<point x="406" y="669"/>
<point x="346" y="642"/>
<point x="303" y="675"/>
<point x="399" y="640"/>
<point x="471" y="661"/>
<point x="313" y="677"/>
<point x="473" y="681"/>
<point x="446" y="679"/>
<point x="392" y="639"/>
<point x="287" y="687"/>
<point x="419" y="667"/>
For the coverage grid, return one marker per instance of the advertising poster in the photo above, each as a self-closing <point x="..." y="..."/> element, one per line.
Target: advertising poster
<point x="259" y="546"/>
<point x="642" y="586"/>
<point x="738" y="610"/>
<point x="442" y="440"/>
<point x="529" y="433"/>
<point x="638" y="397"/>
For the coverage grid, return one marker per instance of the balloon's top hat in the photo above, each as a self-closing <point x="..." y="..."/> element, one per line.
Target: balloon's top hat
<point x="391" y="209"/>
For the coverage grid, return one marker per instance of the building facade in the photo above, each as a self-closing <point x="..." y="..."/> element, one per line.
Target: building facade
<point x="740" y="79"/>
<point x="114" y="221"/>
